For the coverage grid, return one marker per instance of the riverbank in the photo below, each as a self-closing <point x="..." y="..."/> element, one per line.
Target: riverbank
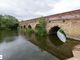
<point x="76" y="53"/>
<point x="76" y="50"/>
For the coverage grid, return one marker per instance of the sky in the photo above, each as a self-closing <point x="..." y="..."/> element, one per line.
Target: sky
<point x="29" y="9"/>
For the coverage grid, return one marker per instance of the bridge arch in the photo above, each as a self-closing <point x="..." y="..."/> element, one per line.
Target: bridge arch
<point x="24" y="26"/>
<point x="54" y="30"/>
<point x="29" y="26"/>
<point x="37" y="26"/>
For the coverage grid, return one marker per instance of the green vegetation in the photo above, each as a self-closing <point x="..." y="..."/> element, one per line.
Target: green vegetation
<point x="29" y="30"/>
<point x="40" y="28"/>
<point x="8" y="22"/>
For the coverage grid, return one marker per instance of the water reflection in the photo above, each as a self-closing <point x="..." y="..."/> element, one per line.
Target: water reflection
<point x="53" y="45"/>
<point x="8" y="34"/>
<point x="14" y="46"/>
<point x="55" y="40"/>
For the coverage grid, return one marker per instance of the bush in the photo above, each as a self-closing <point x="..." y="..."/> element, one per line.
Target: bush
<point x="29" y="30"/>
<point x="41" y="27"/>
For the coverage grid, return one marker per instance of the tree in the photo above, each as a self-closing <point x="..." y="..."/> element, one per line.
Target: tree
<point x="8" y="22"/>
<point x="41" y="27"/>
<point x="42" y="22"/>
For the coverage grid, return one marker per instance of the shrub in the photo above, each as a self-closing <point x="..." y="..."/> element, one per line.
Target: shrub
<point x="41" y="27"/>
<point x="29" y="30"/>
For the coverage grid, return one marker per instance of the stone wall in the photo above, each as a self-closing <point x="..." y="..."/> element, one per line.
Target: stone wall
<point x="69" y="22"/>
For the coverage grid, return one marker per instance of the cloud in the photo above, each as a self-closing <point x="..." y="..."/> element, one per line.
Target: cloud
<point x="66" y="5"/>
<point x="27" y="9"/>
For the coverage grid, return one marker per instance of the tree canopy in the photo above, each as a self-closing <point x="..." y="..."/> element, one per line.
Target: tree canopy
<point x="8" y="22"/>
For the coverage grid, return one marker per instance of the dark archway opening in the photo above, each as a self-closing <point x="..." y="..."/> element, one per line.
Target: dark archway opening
<point x="53" y="30"/>
<point x="29" y="26"/>
<point x="37" y="26"/>
<point x="24" y="26"/>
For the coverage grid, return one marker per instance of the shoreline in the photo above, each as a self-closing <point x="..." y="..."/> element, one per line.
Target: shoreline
<point x="76" y="53"/>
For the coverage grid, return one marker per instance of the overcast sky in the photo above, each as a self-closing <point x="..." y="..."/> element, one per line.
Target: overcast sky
<point x="28" y="9"/>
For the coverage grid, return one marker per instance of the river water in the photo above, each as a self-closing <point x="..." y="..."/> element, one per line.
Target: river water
<point x="21" y="46"/>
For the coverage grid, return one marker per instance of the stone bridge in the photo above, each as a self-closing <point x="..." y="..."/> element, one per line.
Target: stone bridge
<point x="69" y="22"/>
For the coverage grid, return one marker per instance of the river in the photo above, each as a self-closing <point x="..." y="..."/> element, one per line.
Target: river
<point x="20" y="46"/>
<point x="14" y="46"/>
